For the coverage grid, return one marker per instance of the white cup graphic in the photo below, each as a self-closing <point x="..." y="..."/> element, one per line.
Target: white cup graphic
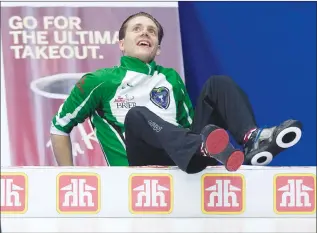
<point x="56" y="86"/>
<point x="50" y="92"/>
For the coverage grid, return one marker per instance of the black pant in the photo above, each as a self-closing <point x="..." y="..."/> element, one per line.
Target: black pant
<point x="152" y="141"/>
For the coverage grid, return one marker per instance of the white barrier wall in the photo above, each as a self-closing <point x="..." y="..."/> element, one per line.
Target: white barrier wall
<point x="164" y="192"/>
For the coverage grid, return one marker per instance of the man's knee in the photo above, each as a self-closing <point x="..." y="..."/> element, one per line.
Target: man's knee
<point x="133" y="114"/>
<point x="220" y="80"/>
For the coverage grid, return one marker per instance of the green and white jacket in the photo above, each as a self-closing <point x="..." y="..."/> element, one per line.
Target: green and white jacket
<point x="106" y="95"/>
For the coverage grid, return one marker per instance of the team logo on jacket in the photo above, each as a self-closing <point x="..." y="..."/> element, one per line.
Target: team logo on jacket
<point x="160" y="96"/>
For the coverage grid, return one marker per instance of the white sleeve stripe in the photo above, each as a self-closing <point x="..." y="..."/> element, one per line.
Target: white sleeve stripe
<point x="56" y="131"/>
<point x="190" y="120"/>
<point x="63" y="121"/>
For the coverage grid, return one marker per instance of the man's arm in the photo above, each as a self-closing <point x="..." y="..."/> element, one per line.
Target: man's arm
<point x="81" y="103"/>
<point x="62" y="148"/>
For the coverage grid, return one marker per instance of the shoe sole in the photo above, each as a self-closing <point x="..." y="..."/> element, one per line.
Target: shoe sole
<point x="217" y="145"/>
<point x="285" y="136"/>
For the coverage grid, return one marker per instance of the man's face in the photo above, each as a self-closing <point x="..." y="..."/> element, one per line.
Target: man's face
<point x="141" y="39"/>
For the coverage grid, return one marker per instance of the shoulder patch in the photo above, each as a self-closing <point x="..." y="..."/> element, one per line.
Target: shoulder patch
<point x="160" y="96"/>
<point x="80" y="83"/>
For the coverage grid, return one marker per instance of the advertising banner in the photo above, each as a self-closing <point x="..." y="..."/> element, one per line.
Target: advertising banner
<point x="46" y="50"/>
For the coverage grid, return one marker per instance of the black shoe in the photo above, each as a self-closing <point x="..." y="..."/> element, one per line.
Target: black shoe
<point x="216" y="144"/>
<point x="264" y="144"/>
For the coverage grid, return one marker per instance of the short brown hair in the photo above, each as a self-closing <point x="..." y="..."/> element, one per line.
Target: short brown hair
<point x="123" y="27"/>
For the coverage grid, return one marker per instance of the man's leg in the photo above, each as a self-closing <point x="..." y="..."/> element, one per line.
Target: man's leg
<point x="223" y="103"/>
<point x="152" y="141"/>
<point x="142" y="154"/>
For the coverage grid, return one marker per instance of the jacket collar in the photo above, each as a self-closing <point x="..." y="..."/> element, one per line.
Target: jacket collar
<point x="135" y="64"/>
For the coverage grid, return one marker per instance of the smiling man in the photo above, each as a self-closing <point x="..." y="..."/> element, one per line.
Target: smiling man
<point x="143" y="115"/>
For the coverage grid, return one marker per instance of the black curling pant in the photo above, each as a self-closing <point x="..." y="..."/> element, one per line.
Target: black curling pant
<point x="152" y="141"/>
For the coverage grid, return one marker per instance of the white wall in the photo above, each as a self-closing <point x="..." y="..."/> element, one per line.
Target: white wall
<point x="225" y="225"/>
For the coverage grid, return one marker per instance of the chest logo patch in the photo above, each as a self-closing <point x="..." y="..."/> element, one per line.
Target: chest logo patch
<point x="160" y="96"/>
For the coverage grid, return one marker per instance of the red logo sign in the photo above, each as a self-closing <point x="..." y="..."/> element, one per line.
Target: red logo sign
<point x="151" y="194"/>
<point x="223" y="193"/>
<point x="294" y="193"/>
<point x="14" y="193"/>
<point x="78" y="193"/>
